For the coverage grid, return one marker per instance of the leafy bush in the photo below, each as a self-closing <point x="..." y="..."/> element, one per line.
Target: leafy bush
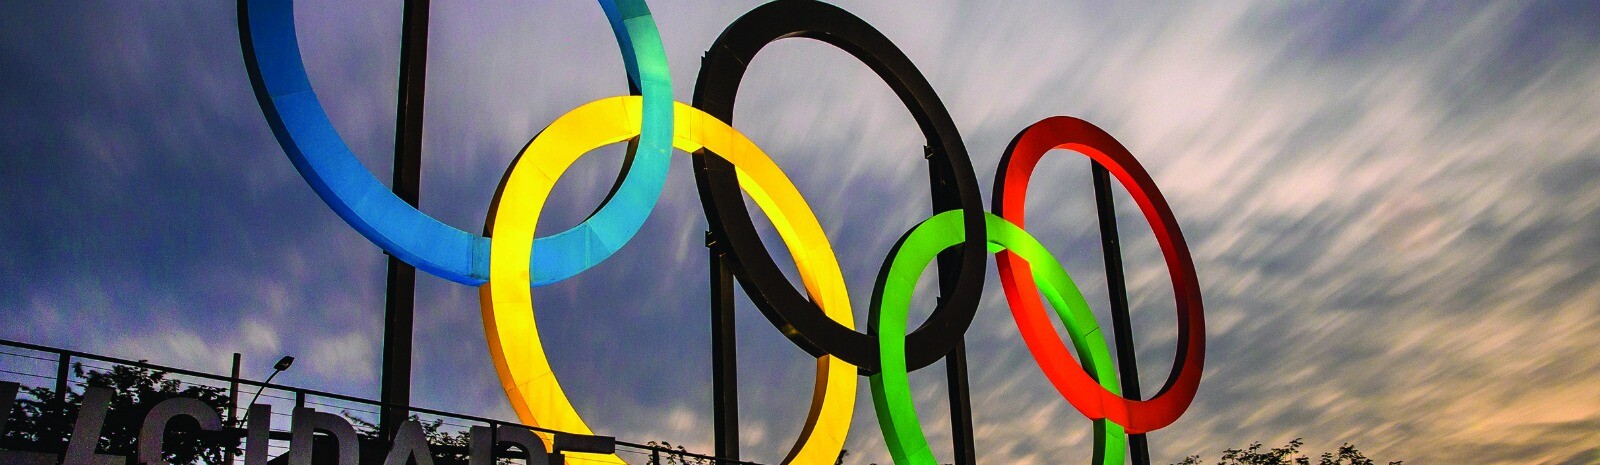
<point x="1289" y="454"/>
<point x="42" y="421"/>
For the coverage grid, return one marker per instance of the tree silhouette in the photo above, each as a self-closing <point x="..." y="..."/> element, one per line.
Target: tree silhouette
<point x="448" y="448"/>
<point x="42" y="421"/>
<point x="675" y="456"/>
<point x="1289" y="454"/>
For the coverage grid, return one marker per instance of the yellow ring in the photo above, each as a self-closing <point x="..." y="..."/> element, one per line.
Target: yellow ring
<point x="507" y="302"/>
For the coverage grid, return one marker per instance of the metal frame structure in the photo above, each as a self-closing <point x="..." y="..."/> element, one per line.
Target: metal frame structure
<point x="1117" y="289"/>
<point x="727" y="166"/>
<point x="952" y="181"/>
<point x="63" y="359"/>
<point x="955" y="185"/>
<point x="400" y="295"/>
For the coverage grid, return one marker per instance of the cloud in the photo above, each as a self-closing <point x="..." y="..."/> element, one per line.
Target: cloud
<point x="349" y="356"/>
<point x="178" y="347"/>
<point x="1390" y="208"/>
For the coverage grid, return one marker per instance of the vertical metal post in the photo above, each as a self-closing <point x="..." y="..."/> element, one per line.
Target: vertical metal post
<point x="1127" y="364"/>
<point x="945" y="197"/>
<point x="8" y="396"/>
<point x="955" y="365"/>
<point x="400" y="299"/>
<point x="724" y="359"/>
<point x="233" y="391"/>
<point x="62" y="362"/>
<point x="233" y="402"/>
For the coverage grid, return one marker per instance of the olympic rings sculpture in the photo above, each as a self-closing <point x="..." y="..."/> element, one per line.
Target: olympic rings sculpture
<point x="728" y="166"/>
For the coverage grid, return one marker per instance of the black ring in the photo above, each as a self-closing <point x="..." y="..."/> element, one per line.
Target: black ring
<point x="789" y="309"/>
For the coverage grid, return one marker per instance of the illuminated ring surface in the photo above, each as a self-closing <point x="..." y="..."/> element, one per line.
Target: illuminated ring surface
<point x="891" y="301"/>
<point x="715" y="90"/>
<point x="508" y="315"/>
<point x="272" y="55"/>
<point x="1011" y="187"/>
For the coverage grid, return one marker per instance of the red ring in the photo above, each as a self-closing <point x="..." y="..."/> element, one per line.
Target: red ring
<point x="1016" y="168"/>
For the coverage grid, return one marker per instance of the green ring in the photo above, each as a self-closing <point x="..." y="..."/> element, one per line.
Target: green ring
<point x="891" y="390"/>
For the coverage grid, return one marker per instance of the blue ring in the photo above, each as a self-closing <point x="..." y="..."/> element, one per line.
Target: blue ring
<point x="272" y="55"/>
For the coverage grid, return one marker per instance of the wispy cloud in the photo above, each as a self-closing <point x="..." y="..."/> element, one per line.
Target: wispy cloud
<point x="1391" y="209"/>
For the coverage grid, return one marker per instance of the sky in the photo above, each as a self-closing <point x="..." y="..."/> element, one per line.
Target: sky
<point x="1393" y="209"/>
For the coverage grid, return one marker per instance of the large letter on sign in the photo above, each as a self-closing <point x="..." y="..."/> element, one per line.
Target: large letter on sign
<point x="155" y="425"/>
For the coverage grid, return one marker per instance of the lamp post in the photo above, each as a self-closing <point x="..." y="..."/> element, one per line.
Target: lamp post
<point x="283" y="364"/>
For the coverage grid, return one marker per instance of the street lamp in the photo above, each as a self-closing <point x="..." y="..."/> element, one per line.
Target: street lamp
<point x="283" y="364"/>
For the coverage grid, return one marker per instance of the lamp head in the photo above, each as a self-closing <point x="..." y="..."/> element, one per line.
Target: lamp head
<point x="283" y="363"/>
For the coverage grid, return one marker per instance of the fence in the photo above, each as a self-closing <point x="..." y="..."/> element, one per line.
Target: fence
<point x="35" y="366"/>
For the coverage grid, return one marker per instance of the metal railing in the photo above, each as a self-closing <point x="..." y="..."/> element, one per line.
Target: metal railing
<point x="62" y="361"/>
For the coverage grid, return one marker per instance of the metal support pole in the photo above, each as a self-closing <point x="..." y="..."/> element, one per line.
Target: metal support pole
<point x="1127" y="364"/>
<point x="724" y="358"/>
<point x="400" y="299"/>
<point x="233" y="402"/>
<point x="8" y="396"/>
<point x="62" y="362"/>
<point x="945" y="197"/>
<point x="955" y="365"/>
<point x="233" y="391"/>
